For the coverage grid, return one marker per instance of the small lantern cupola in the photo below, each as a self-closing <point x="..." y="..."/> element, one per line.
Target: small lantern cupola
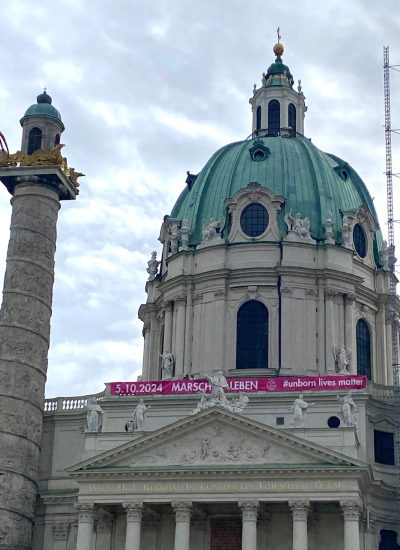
<point x="41" y="126"/>
<point x="277" y="108"/>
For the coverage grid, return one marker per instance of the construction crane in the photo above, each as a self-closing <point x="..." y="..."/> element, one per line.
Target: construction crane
<point x="390" y="218"/>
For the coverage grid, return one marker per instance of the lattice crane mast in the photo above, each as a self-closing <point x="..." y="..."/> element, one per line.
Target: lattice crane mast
<point x="390" y="218"/>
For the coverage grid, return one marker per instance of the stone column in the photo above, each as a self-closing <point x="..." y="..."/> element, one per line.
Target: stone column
<point x="146" y="350"/>
<point x="351" y="515"/>
<point x="182" y="524"/>
<point x="249" y="525"/>
<point x="187" y="366"/>
<point x="84" y="540"/>
<point x="349" y="331"/>
<point x="167" y="347"/>
<point x="381" y="356"/>
<point x="24" y="342"/>
<point x="300" y="509"/>
<point x="60" y="536"/>
<point x="179" y="347"/>
<point x="329" y="332"/>
<point x="133" y="525"/>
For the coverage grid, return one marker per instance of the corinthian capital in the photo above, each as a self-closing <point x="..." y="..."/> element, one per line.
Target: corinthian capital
<point x="133" y="510"/>
<point x="351" y="509"/>
<point x="85" y="512"/>
<point x="249" y="510"/>
<point x="182" y="510"/>
<point x="300" y="509"/>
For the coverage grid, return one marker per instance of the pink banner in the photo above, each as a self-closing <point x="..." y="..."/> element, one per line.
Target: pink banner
<point x="243" y="384"/>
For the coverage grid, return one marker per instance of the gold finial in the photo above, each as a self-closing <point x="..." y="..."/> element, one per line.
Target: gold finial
<point x="278" y="48"/>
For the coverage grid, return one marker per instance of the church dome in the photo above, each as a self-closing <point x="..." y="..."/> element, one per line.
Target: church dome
<point x="43" y="108"/>
<point x="312" y="183"/>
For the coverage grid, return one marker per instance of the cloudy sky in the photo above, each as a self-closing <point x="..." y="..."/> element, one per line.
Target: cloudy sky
<point x="148" y="90"/>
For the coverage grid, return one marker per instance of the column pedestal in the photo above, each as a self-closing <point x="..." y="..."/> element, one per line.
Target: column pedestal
<point x="300" y="511"/>
<point x="249" y="525"/>
<point x="182" y="525"/>
<point x="133" y="524"/>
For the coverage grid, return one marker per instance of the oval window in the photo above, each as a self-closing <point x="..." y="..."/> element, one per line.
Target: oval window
<point x="254" y="220"/>
<point x="359" y="240"/>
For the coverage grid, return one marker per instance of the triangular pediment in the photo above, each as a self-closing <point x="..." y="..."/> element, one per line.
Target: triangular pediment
<point x="212" y="439"/>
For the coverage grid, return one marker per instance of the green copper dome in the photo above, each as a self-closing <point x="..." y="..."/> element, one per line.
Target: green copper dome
<point x="312" y="182"/>
<point x="43" y="108"/>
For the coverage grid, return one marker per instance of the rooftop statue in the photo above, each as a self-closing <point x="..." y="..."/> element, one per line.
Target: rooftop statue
<point x="347" y="409"/>
<point x="94" y="416"/>
<point x="299" y="408"/>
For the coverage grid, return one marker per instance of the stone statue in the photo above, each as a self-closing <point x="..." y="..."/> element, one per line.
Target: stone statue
<point x="299" y="87"/>
<point x="300" y="226"/>
<point x="168" y="364"/>
<point x="210" y="229"/>
<point x="218" y="385"/>
<point x="139" y="415"/>
<point x="347" y="409"/>
<point x="346" y="232"/>
<point x="329" y="229"/>
<point x="240" y="404"/>
<point x="299" y="408"/>
<point x="342" y="359"/>
<point x="94" y="416"/>
<point x="218" y="398"/>
<point x="152" y="268"/>
<point x="385" y="255"/>
<point x="184" y="234"/>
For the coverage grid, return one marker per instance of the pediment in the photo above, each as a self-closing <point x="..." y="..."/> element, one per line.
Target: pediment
<point x="213" y="439"/>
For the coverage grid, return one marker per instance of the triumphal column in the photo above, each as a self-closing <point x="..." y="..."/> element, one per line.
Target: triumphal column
<point x="38" y="178"/>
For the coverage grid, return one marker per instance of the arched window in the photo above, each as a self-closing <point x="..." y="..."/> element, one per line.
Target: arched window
<point x="360" y="240"/>
<point x="258" y="116"/>
<point x="292" y="119"/>
<point x="34" y="140"/>
<point x="252" y="336"/>
<point x="57" y="139"/>
<point x="274" y="117"/>
<point x="363" y="337"/>
<point x="388" y="540"/>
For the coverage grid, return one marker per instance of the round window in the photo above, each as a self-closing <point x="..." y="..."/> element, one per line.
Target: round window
<point x="359" y="240"/>
<point x="254" y="220"/>
<point x="333" y="422"/>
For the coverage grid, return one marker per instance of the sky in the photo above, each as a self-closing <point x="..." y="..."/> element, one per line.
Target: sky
<point x="149" y="90"/>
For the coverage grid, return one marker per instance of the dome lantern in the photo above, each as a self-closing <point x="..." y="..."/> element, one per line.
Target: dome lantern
<point x="41" y="125"/>
<point x="277" y="108"/>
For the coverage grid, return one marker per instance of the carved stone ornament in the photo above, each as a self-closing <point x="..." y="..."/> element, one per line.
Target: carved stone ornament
<point x="60" y="531"/>
<point x="249" y="510"/>
<point x="218" y="398"/>
<point x="184" y="234"/>
<point x="211" y="230"/>
<point x="152" y="266"/>
<point x="182" y="510"/>
<point x="298" y="228"/>
<point x="351" y="510"/>
<point x="133" y="510"/>
<point x="217" y="443"/>
<point x="300" y="509"/>
<point x="329" y="229"/>
<point x="346" y="232"/>
<point x="85" y="512"/>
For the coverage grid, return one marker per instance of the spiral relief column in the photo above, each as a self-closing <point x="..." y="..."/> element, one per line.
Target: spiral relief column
<point x="25" y="323"/>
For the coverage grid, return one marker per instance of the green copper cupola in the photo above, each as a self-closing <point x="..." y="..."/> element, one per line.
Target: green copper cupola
<point x="277" y="108"/>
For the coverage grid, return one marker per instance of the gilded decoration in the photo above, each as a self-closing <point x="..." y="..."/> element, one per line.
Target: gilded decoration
<point x="41" y="158"/>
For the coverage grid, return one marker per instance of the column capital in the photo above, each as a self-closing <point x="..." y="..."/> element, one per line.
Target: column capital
<point x="330" y="294"/>
<point x="349" y="298"/>
<point x="182" y="510"/>
<point x="85" y="512"/>
<point x="300" y="509"/>
<point x="249" y="509"/>
<point x="351" y="509"/>
<point x="133" y="511"/>
<point x="60" y="531"/>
